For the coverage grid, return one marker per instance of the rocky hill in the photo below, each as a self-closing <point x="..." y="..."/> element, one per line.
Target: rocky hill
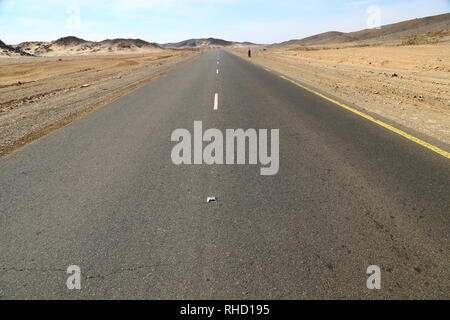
<point x="205" y="43"/>
<point x="9" y="51"/>
<point x="73" y="46"/>
<point x="386" y="33"/>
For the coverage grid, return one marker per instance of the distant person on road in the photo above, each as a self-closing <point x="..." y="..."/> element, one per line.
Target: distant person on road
<point x="249" y="53"/>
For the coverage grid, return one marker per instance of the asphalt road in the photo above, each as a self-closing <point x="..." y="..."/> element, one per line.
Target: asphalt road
<point x="103" y="194"/>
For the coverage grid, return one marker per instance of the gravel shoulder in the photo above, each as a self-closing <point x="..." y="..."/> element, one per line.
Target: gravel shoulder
<point x="39" y="95"/>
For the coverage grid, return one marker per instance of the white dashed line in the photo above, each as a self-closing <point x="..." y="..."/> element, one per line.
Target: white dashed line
<point x="217" y="71"/>
<point x="216" y="101"/>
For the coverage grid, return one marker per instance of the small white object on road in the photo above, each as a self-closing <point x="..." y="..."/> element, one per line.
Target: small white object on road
<point x="211" y="199"/>
<point x="85" y="85"/>
<point x="217" y="71"/>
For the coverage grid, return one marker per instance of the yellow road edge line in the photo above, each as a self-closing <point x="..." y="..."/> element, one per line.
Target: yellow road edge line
<point x="380" y="123"/>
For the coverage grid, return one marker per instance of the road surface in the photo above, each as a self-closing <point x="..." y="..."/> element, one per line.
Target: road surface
<point x="102" y="193"/>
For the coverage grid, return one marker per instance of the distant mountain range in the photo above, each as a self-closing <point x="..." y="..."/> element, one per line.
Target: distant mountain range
<point x="206" y="43"/>
<point x="69" y="46"/>
<point x="73" y="46"/>
<point x="76" y="46"/>
<point x="385" y="33"/>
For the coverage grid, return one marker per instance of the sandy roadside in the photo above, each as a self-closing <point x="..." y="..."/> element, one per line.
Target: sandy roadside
<point x="39" y="95"/>
<point x="409" y="85"/>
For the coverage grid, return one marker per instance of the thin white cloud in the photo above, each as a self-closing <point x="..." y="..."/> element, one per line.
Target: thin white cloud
<point x="175" y="20"/>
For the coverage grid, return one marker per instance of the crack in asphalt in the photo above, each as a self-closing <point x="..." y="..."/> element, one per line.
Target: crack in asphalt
<point x="98" y="275"/>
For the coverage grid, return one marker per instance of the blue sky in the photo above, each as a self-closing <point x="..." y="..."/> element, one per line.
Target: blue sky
<point x="261" y="21"/>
